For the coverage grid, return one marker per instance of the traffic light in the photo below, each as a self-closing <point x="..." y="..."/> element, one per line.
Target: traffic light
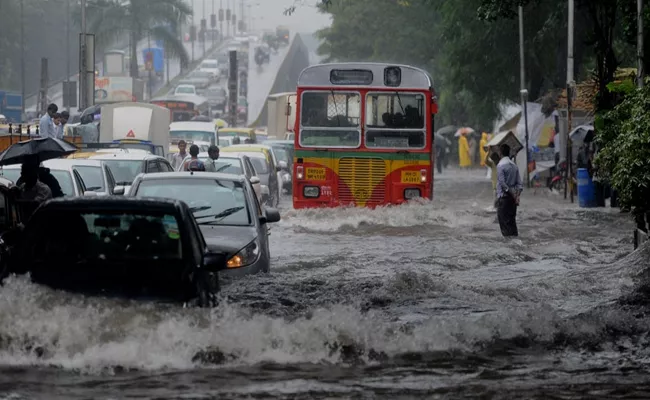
<point x="228" y="14"/>
<point x="204" y="24"/>
<point x="213" y="21"/>
<point x="148" y="61"/>
<point x="193" y="33"/>
<point x="234" y="18"/>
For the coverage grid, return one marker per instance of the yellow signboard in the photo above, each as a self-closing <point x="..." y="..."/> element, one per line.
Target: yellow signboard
<point x="411" y="177"/>
<point x="315" y="174"/>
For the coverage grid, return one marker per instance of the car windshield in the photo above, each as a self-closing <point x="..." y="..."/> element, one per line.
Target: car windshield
<point x="195" y="136"/>
<point x="229" y="166"/>
<point x="62" y="176"/>
<point x="92" y="177"/>
<point x="214" y="201"/>
<point x="281" y="154"/>
<point x="125" y="171"/>
<point x="185" y="89"/>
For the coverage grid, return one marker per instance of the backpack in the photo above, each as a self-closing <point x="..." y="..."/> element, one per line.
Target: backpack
<point x="195" y="165"/>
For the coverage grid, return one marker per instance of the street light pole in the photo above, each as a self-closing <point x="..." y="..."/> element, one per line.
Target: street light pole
<point x="639" y="45"/>
<point x="67" y="48"/>
<point x="22" y="56"/>
<point x="83" y="78"/>
<point x="524" y="92"/>
<point x="569" y="97"/>
<point x="193" y="27"/>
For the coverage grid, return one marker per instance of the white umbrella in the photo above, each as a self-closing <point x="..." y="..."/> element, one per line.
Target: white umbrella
<point x="582" y="133"/>
<point x="463" y="131"/>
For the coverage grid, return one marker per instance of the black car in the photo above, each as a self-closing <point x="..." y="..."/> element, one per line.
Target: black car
<point x="118" y="246"/>
<point x="217" y="97"/>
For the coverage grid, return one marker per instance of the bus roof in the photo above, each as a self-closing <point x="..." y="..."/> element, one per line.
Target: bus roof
<point x="192" y="125"/>
<point x="320" y="76"/>
<point x="275" y="96"/>
<point x="191" y="98"/>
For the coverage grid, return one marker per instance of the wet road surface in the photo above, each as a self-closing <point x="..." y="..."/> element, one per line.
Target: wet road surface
<point x="420" y="301"/>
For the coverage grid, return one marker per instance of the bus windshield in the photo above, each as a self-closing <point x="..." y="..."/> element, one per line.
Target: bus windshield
<point x="395" y="120"/>
<point x="196" y="136"/>
<point x="330" y="119"/>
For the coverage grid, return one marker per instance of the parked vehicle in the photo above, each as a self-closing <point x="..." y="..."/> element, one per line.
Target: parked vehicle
<point x="136" y="248"/>
<point x="226" y="209"/>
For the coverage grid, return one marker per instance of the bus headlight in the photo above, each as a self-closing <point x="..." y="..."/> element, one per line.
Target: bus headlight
<point x="311" y="191"/>
<point x="411" y="193"/>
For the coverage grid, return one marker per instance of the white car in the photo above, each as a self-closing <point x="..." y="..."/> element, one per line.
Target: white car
<point x="76" y="177"/>
<point x="211" y="66"/>
<point x="126" y="166"/>
<point x="185" y="89"/>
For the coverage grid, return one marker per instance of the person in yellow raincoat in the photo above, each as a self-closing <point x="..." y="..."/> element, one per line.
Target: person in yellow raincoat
<point x="463" y="152"/>
<point x="482" y="149"/>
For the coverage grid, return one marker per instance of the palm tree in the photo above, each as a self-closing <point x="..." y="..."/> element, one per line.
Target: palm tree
<point x="111" y="20"/>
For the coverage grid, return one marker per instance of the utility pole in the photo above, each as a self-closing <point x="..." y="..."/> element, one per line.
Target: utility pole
<point x="67" y="48"/>
<point x="228" y="17"/>
<point x="193" y="28"/>
<point x="241" y="17"/>
<point x="213" y="22"/>
<point x="569" y="97"/>
<point x="221" y="15"/>
<point x="523" y="91"/>
<point x="22" y="56"/>
<point x="83" y="77"/>
<point x="639" y="43"/>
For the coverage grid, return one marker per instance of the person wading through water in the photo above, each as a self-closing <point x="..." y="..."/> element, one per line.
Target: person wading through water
<point x="509" y="189"/>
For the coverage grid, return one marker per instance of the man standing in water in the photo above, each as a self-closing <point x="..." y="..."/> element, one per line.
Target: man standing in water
<point x="509" y="189"/>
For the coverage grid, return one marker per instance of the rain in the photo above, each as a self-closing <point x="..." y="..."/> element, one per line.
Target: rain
<point x="424" y="299"/>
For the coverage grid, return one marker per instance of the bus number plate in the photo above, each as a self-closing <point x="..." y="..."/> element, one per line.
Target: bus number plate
<point x="315" y="174"/>
<point x="410" y="177"/>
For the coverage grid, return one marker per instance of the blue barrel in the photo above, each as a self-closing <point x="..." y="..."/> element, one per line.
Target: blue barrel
<point x="586" y="193"/>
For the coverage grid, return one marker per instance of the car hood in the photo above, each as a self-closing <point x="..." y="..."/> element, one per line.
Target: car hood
<point x="228" y="239"/>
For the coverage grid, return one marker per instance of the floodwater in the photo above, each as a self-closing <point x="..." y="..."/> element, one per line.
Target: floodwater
<point x="425" y="300"/>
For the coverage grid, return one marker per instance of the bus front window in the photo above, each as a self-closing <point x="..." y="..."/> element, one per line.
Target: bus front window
<point x="395" y="120"/>
<point x="330" y="119"/>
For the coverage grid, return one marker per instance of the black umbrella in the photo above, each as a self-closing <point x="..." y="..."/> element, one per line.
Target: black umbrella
<point x="42" y="149"/>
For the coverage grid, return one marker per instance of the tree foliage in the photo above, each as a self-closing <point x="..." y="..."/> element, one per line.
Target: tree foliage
<point x="624" y="158"/>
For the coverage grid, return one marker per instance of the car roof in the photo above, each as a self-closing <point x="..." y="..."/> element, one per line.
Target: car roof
<point x="62" y="163"/>
<point x="184" y="125"/>
<point x="88" y="203"/>
<point x="278" y="141"/>
<point x="191" y="175"/>
<point x="248" y="154"/>
<point x="126" y="156"/>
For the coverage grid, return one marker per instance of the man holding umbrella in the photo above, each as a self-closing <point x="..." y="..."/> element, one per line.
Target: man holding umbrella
<point x="31" y="188"/>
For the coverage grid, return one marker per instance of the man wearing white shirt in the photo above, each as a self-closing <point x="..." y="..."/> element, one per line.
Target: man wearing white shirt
<point x="46" y="126"/>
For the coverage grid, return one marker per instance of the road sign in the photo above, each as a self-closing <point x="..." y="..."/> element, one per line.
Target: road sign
<point x="131" y="134"/>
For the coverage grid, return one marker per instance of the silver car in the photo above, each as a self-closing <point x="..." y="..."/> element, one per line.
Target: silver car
<point x="226" y="208"/>
<point x="76" y="177"/>
<point x="126" y="166"/>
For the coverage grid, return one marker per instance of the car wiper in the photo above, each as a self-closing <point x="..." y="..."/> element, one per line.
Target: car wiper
<point x="223" y="214"/>
<point x="201" y="208"/>
<point x="224" y="167"/>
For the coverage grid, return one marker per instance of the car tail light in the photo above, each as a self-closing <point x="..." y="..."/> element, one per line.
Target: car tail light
<point x="300" y="174"/>
<point x="423" y="175"/>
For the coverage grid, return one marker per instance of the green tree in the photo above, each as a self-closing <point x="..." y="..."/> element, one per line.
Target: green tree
<point x="110" y="19"/>
<point x="624" y="158"/>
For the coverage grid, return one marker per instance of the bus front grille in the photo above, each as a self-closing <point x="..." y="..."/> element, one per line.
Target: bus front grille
<point x="361" y="180"/>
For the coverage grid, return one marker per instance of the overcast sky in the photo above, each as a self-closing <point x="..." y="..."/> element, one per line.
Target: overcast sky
<point x="267" y="14"/>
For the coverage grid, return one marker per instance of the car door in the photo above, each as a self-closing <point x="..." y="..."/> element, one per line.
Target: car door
<point x="276" y="176"/>
<point x="80" y="186"/>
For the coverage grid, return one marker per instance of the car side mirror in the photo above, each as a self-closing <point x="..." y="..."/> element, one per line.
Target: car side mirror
<point x="90" y="193"/>
<point x="283" y="164"/>
<point x="254" y="180"/>
<point x="278" y="168"/>
<point x="214" y="262"/>
<point x="271" y="215"/>
<point x="119" y="190"/>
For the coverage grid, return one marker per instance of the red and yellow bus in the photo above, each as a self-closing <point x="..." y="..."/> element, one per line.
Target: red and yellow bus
<point x="184" y="107"/>
<point x="364" y="135"/>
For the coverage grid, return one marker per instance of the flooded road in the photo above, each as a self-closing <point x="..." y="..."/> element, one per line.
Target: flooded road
<point x="420" y="301"/>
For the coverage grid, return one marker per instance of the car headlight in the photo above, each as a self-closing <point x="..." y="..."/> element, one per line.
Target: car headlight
<point x="246" y="256"/>
<point x="311" y="191"/>
<point x="411" y="193"/>
<point x="286" y="178"/>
